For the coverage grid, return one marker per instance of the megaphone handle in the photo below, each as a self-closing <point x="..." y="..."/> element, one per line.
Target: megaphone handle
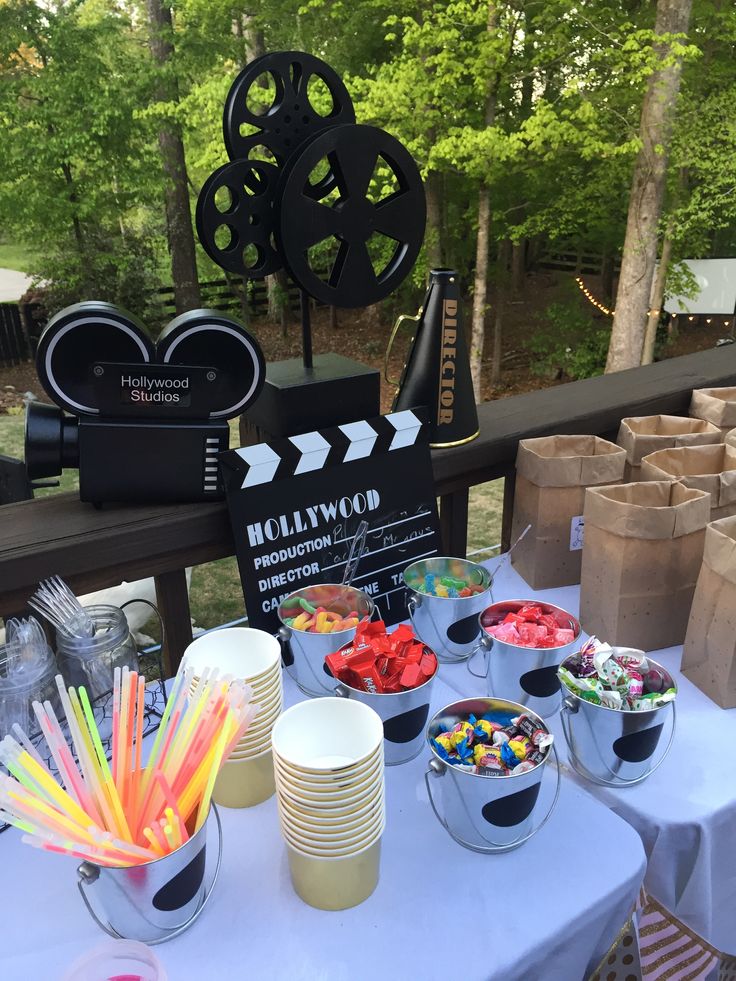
<point x="392" y="338"/>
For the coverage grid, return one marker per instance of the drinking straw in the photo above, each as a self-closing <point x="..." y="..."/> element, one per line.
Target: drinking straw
<point x="122" y="824"/>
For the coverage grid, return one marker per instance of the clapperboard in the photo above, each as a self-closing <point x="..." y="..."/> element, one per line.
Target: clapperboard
<point x="295" y="505"/>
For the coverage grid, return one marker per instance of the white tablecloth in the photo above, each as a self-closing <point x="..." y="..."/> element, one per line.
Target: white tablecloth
<point x="685" y="812"/>
<point x="547" y="910"/>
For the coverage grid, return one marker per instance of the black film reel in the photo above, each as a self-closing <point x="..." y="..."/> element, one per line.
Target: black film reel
<point x="292" y="118"/>
<point x="246" y="222"/>
<point x="351" y="217"/>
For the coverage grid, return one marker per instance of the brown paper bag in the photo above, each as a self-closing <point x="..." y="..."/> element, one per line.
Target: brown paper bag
<point x="640" y="435"/>
<point x="716" y="405"/>
<point x="709" y="468"/>
<point x="552" y="473"/>
<point x="642" y="555"/>
<point x="709" y="654"/>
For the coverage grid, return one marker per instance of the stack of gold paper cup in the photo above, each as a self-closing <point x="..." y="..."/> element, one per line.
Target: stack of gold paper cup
<point x="255" y="657"/>
<point x="328" y="763"/>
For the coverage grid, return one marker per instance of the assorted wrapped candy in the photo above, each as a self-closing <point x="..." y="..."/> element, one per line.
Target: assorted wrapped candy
<point x="383" y="663"/>
<point x="317" y="619"/>
<point x="494" y="745"/>
<point x="529" y="626"/>
<point x="616" y="677"/>
<point x="447" y="587"/>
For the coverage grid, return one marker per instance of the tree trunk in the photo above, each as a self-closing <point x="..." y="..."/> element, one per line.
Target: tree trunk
<point x="176" y="194"/>
<point x="502" y="282"/>
<point x="433" y="189"/>
<point x="607" y="270"/>
<point x="66" y="170"/>
<point x="647" y="192"/>
<point x="480" y="286"/>
<point x="657" y="297"/>
<point x="518" y="266"/>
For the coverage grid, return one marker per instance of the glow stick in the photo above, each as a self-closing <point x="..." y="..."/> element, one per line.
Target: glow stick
<point x="87" y="853"/>
<point x="87" y="801"/>
<point x="70" y="776"/>
<point x="173" y="822"/>
<point x="123" y="828"/>
<point x="26" y="743"/>
<point x="133" y="797"/>
<point x="32" y="807"/>
<point x="204" y="806"/>
<point x="115" y="723"/>
<point x="169" y="835"/>
<point x="88" y="757"/>
<point x="159" y="835"/>
<point x="172" y="808"/>
<point x="128" y="756"/>
<point x="11" y="763"/>
<point x="121" y="782"/>
<point x="60" y="797"/>
<point x="151" y="837"/>
<point x="149" y="783"/>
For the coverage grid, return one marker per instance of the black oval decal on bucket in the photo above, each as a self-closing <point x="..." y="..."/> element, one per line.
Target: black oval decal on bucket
<point x="183" y="887"/>
<point x="638" y="746"/>
<point x="464" y="631"/>
<point x="512" y="809"/>
<point x="326" y="669"/>
<point x="541" y="683"/>
<point x="407" y="726"/>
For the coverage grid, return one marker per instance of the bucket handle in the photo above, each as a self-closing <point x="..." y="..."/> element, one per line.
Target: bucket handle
<point x="437" y="769"/>
<point x="88" y="873"/>
<point x="570" y="707"/>
<point x="412" y="604"/>
<point x="482" y="645"/>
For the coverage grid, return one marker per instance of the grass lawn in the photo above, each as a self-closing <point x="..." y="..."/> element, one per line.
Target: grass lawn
<point x="216" y="596"/>
<point x="13" y="256"/>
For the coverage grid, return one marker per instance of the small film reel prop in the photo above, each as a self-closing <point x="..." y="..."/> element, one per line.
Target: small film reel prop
<point x="331" y="188"/>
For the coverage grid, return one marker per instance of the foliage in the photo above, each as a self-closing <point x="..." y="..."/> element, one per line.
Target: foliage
<point x="570" y="342"/>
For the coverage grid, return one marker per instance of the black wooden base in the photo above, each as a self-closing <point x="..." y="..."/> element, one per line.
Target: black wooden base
<point x="297" y="400"/>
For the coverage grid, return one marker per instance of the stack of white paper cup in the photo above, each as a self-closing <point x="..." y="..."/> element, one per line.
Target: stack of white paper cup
<point x="328" y="763"/>
<point x="255" y="657"/>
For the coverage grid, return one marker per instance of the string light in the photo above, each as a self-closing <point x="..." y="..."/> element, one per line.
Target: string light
<point x="591" y="299"/>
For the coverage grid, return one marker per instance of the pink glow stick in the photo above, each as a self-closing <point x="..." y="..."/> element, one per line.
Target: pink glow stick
<point x="115" y="724"/>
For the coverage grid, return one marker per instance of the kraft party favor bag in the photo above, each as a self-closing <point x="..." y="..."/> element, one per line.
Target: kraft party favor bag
<point x="716" y="405"/>
<point x="642" y="556"/>
<point x="709" y="654"/>
<point x="709" y="468"/>
<point x="552" y="473"/>
<point x="641" y="435"/>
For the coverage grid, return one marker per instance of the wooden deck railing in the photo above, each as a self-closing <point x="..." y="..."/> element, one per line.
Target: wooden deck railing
<point x="93" y="548"/>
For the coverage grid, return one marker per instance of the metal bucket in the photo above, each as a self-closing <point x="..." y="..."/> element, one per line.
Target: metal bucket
<point x="448" y="625"/>
<point x="155" y="901"/>
<point x="404" y="715"/>
<point x="304" y="653"/>
<point x="524" y="674"/>
<point x="486" y="813"/>
<point x="611" y="747"/>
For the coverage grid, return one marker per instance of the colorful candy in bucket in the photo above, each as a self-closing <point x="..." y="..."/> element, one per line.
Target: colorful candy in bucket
<point x="447" y="587"/>
<point x="529" y="626"/>
<point x="382" y="663"/>
<point x="493" y="745"/>
<point x="617" y="678"/>
<point x="316" y="619"/>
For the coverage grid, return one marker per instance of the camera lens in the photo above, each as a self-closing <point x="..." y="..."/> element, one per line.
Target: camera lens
<point x="51" y="441"/>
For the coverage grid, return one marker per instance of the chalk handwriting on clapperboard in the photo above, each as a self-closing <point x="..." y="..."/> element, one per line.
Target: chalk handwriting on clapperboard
<point x="295" y="505"/>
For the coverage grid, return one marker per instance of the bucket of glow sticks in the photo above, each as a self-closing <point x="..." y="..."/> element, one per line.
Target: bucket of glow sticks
<point x="140" y="830"/>
<point x="154" y="901"/>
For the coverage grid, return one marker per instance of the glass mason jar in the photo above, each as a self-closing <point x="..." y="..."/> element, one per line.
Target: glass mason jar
<point x="90" y="661"/>
<point x="22" y="684"/>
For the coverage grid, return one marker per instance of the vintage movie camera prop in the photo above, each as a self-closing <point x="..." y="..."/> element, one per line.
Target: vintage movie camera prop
<point x="141" y="421"/>
<point x="436" y="373"/>
<point x="339" y="206"/>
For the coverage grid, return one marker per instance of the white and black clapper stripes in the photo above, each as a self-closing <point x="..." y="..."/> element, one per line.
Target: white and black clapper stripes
<point x="264" y="462"/>
<point x="211" y="470"/>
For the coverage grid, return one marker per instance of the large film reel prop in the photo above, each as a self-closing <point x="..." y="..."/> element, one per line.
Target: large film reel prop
<point x="210" y="340"/>
<point x="246" y="219"/>
<point x="354" y="154"/>
<point x="292" y="118"/>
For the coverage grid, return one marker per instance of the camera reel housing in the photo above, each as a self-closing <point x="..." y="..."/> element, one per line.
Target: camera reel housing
<point x="143" y="422"/>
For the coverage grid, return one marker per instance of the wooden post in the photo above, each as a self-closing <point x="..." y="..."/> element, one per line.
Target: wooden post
<point x="172" y="598"/>
<point x="454" y="523"/>
<point x="509" y="487"/>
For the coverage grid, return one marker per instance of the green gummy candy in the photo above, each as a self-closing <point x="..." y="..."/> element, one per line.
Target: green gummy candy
<point x="453" y="583"/>
<point x="292" y="601"/>
<point x="307" y="607"/>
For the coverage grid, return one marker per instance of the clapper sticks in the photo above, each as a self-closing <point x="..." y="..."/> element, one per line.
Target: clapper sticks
<point x="120" y="812"/>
